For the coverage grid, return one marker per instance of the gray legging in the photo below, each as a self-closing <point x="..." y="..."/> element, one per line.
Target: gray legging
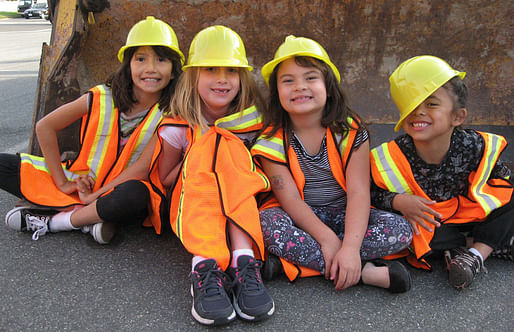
<point x="387" y="233"/>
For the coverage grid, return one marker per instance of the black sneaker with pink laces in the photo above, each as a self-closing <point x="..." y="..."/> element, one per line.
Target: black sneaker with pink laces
<point x="250" y="298"/>
<point x="211" y="304"/>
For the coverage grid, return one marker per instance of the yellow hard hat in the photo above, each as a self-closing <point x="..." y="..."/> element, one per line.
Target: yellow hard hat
<point x="151" y="32"/>
<point x="416" y="79"/>
<point x="217" y="46"/>
<point x="300" y="46"/>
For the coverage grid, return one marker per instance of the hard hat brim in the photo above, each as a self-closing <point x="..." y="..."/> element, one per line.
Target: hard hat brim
<point x="428" y="93"/>
<point x="268" y="68"/>
<point x="121" y="52"/>
<point x="218" y="64"/>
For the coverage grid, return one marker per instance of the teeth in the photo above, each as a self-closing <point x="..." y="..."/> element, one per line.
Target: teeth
<point x="419" y="124"/>
<point x="301" y="98"/>
<point x="150" y="79"/>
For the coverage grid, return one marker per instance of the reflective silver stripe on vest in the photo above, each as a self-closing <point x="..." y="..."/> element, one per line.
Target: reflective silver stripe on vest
<point x="274" y="144"/>
<point x="237" y="121"/>
<point x="146" y="134"/>
<point x="344" y="142"/>
<point x="40" y="164"/>
<point x="104" y="130"/>
<point x="485" y="175"/>
<point x="388" y="170"/>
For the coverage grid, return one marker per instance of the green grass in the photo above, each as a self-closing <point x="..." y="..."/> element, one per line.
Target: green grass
<point x="9" y="14"/>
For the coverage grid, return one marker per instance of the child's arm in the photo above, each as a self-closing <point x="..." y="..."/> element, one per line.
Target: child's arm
<point x="138" y="170"/>
<point x="46" y="130"/>
<point x="382" y="198"/>
<point x="346" y="269"/>
<point x="417" y="211"/>
<point x="169" y="164"/>
<point x="413" y="208"/>
<point x="285" y="190"/>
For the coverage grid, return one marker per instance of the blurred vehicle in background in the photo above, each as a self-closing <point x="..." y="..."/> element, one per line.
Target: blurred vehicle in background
<point x="39" y="9"/>
<point x="23" y="5"/>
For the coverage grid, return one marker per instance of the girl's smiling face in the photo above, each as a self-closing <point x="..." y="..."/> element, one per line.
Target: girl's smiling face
<point x="434" y="118"/>
<point x="150" y="72"/>
<point x="301" y="90"/>
<point x="217" y="86"/>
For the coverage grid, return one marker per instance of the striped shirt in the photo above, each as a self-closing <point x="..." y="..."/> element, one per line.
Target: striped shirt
<point x="321" y="187"/>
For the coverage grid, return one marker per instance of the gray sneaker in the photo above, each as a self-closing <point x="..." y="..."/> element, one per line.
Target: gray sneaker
<point x="102" y="232"/>
<point x="23" y="218"/>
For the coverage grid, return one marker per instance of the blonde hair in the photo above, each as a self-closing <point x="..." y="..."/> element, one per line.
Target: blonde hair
<point x="186" y="103"/>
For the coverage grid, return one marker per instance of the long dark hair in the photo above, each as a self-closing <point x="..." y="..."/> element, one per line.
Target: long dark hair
<point x="121" y="83"/>
<point x="336" y="111"/>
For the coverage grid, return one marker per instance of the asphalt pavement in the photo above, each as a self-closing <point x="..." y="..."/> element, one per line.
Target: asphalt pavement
<point x="140" y="282"/>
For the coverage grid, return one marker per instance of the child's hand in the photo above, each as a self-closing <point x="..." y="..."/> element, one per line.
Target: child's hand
<point x="329" y="249"/>
<point x="87" y="197"/>
<point x="85" y="183"/>
<point x="346" y="268"/>
<point x="415" y="209"/>
<point x="67" y="187"/>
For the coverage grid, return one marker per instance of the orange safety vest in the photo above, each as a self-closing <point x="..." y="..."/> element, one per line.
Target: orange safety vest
<point x="158" y="214"/>
<point x="274" y="149"/>
<point x="217" y="186"/>
<point x="98" y="155"/>
<point x="391" y="170"/>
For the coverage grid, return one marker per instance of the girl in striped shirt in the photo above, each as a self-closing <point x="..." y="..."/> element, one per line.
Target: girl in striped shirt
<point x="315" y="152"/>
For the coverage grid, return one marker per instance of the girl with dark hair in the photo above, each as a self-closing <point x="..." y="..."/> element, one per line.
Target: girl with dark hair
<point x="447" y="181"/>
<point x="315" y="151"/>
<point x="118" y="120"/>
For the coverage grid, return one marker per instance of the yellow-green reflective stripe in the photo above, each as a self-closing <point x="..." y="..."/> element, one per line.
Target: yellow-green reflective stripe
<point x="237" y="121"/>
<point x="40" y="164"/>
<point x="343" y="144"/>
<point x="105" y="122"/>
<point x="273" y="146"/>
<point x="181" y="201"/>
<point x="390" y="173"/>
<point x="488" y="202"/>
<point x="254" y="169"/>
<point x="146" y="134"/>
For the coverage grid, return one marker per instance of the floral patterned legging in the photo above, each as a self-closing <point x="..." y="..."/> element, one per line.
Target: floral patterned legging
<point x="387" y="233"/>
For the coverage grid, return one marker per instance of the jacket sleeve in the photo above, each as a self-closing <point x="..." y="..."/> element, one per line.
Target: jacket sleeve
<point x="382" y="198"/>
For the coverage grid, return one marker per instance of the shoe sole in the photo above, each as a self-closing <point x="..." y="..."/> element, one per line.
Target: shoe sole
<point x="206" y="321"/>
<point x="103" y="232"/>
<point x="10" y="214"/>
<point x="256" y="318"/>
<point x="459" y="277"/>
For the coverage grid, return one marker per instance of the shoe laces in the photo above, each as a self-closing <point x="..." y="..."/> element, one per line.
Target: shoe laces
<point x="249" y="276"/>
<point x="86" y="229"/>
<point x="38" y="224"/>
<point x="211" y="282"/>
<point x="472" y="261"/>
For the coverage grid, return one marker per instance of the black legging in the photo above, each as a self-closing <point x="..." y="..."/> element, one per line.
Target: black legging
<point x="126" y="204"/>
<point x="9" y="173"/>
<point x="494" y="231"/>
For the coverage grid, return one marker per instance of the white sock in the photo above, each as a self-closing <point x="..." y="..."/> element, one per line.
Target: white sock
<point x="240" y="252"/>
<point x="476" y="252"/>
<point x="196" y="260"/>
<point x="61" y="222"/>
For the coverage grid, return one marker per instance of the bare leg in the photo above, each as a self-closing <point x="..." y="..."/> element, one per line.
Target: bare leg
<point x="85" y="216"/>
<point x="238" y="239"/>
<point x="483" y="249"/>
<point x="375" y="275"/>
